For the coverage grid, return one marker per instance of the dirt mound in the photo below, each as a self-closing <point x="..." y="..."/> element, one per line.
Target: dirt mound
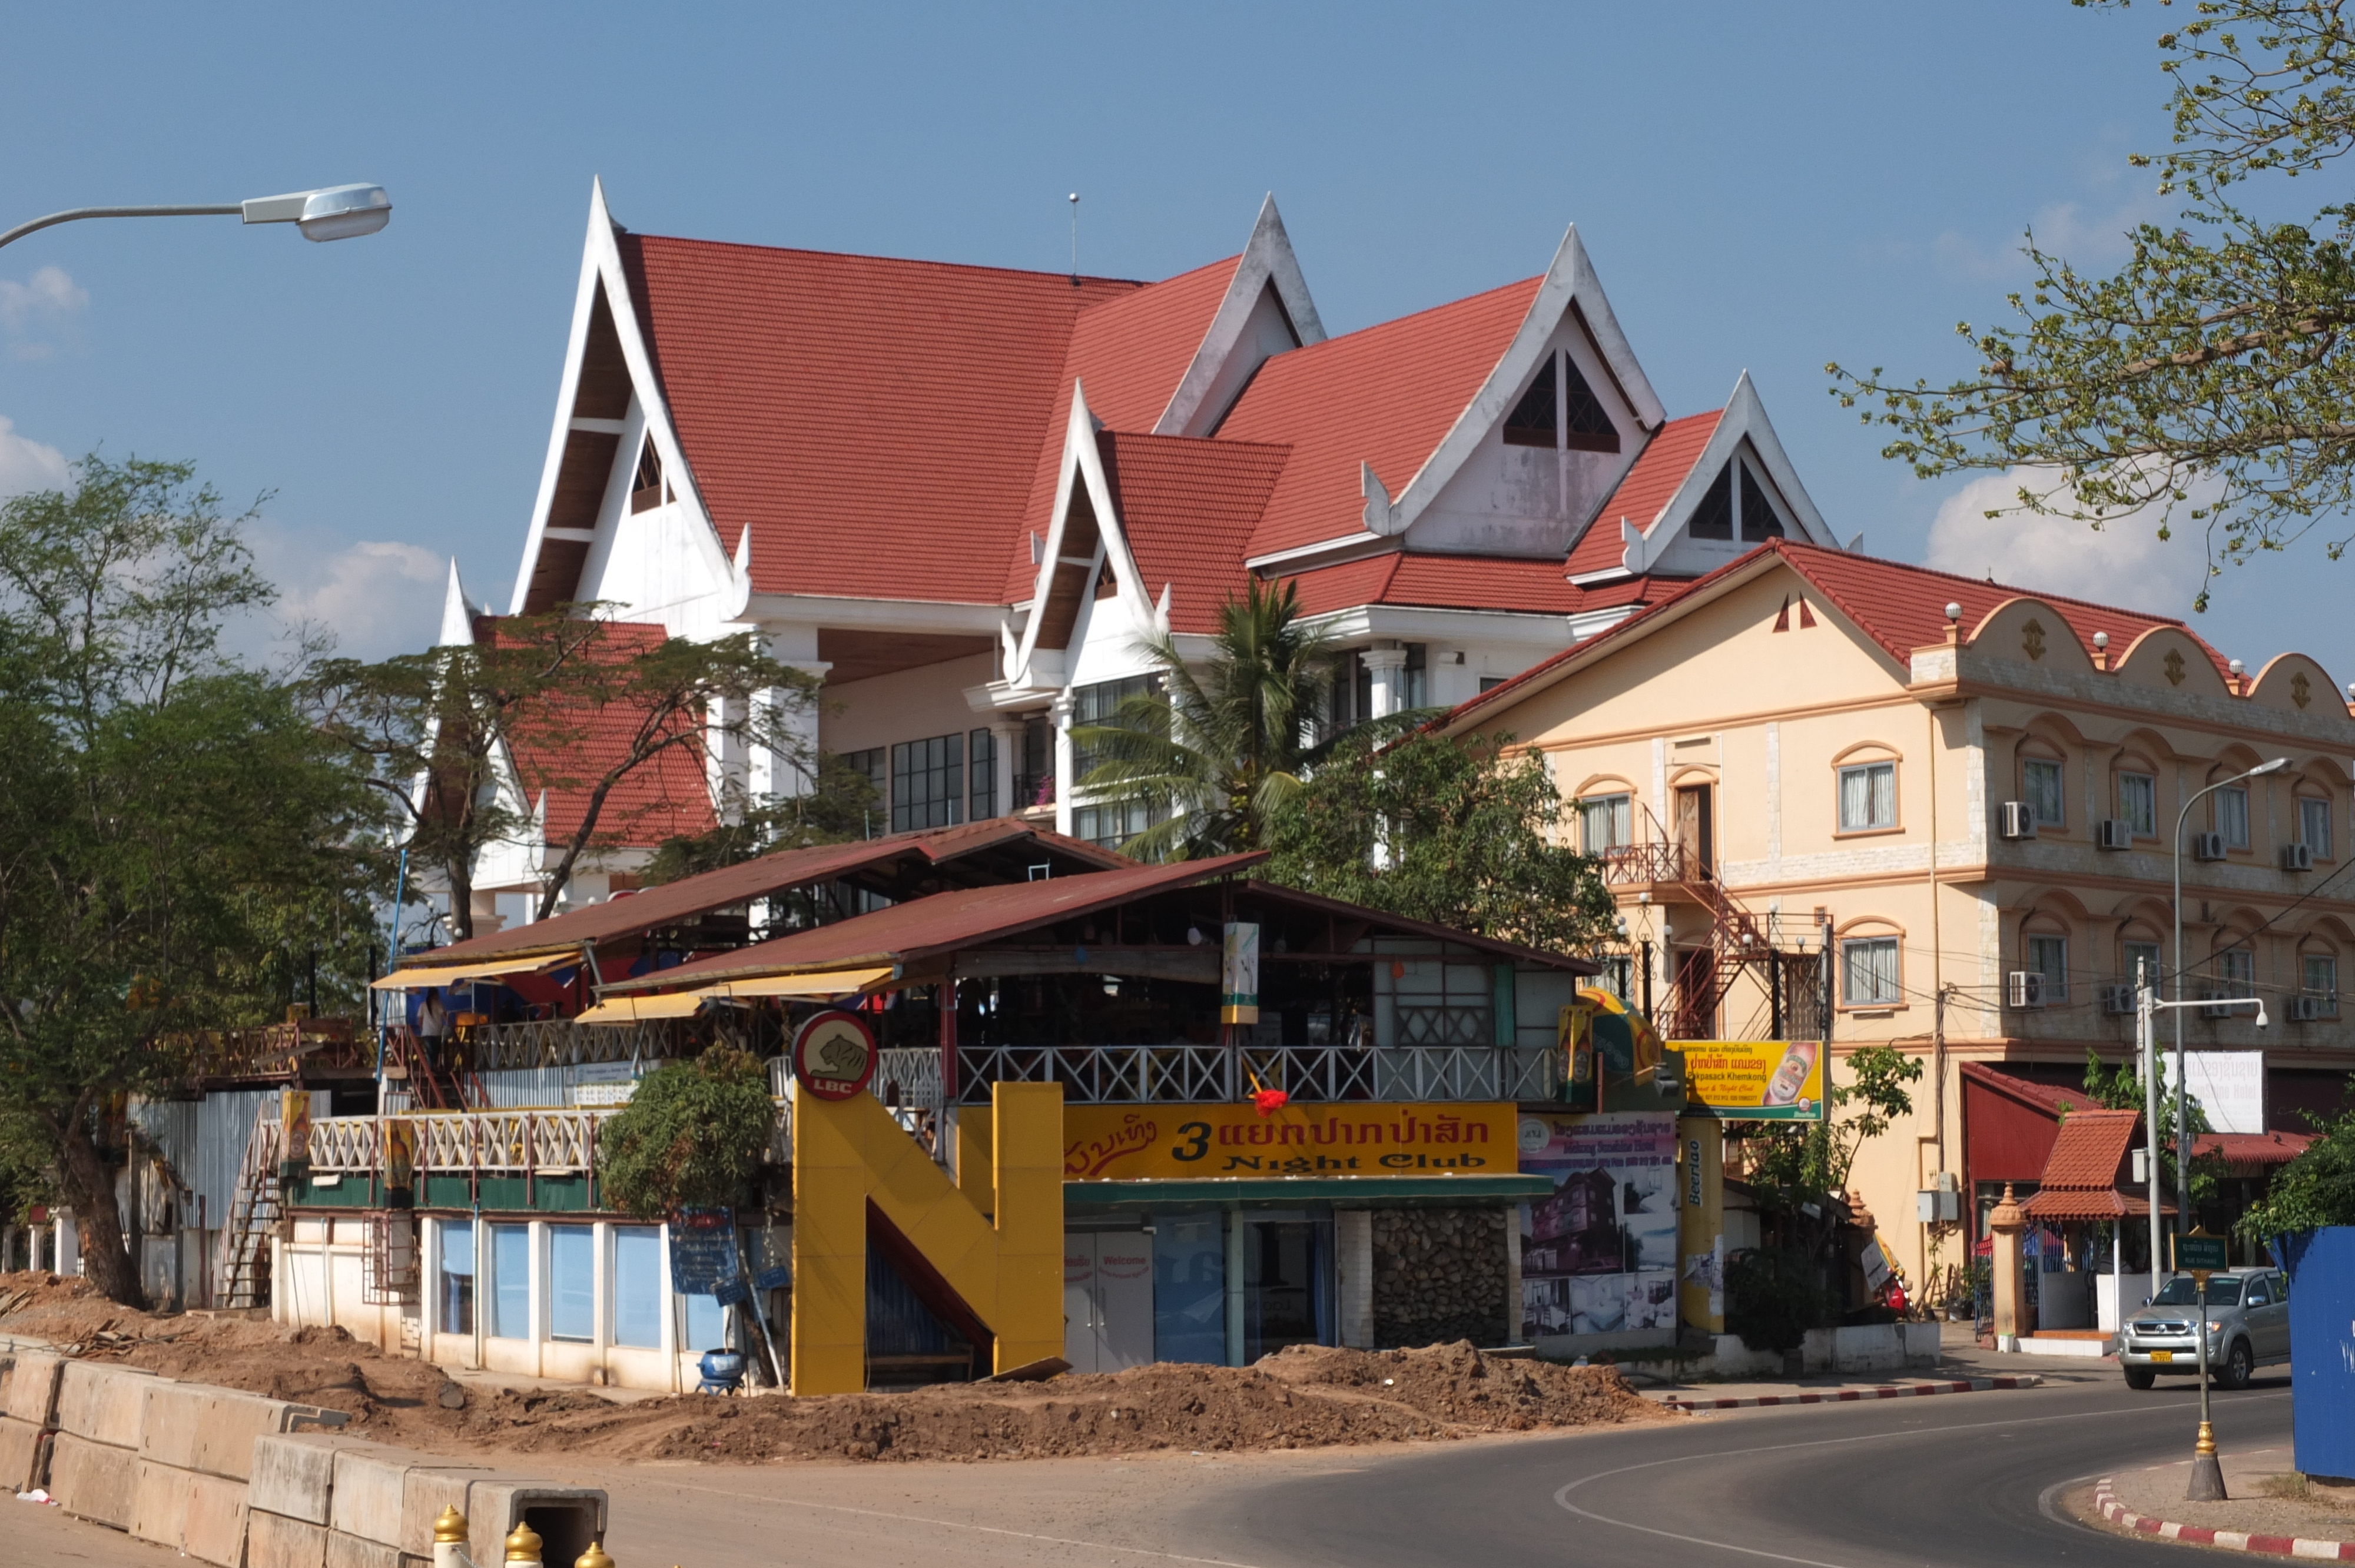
<point x="1304" y="1397"/>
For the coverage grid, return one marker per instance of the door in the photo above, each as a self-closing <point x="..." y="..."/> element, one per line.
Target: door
<point x="1287" y="1285"/>
<point x="2269" y="1317"/>
<point x="1693" y="831"/>
<point x="1107" y="1299"/>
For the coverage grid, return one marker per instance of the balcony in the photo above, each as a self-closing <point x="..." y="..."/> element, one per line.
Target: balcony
<point x="1657" y="864"/>
<point x="909" y="1080"/>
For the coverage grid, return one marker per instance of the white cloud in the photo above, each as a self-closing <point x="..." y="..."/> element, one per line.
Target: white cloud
<point x="2090" y="241"/>
<point x="375" y="597"/>
<point x="27" y="464"/>
<point x="2123" y="562"/>
<point x="45" y="299"/>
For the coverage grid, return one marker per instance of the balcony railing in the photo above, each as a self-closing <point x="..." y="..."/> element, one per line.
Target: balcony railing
<point x="1132" y="1074"/>
<point x="1633" y="864"/>
<point x="551" y="1142"/>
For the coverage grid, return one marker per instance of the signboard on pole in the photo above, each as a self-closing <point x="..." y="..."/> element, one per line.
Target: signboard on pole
<point x="834" y="1055"/>
<point x="2201" y="1254"/>
<point x="1754" y="1080"/>
<point x="2229" y="1084"/>
<point x="1239" y="973"/>
<point x="703" y="1251"/>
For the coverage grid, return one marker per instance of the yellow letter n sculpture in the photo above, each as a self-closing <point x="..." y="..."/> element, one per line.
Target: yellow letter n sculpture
<point x="854" y="1166"/>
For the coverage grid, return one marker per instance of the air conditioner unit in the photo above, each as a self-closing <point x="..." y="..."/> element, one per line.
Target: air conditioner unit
<point x="2026" y="988"/>
<point x="2113" y="833"/>
<point x="2117" y="999"/>
<point x="2312" y="1009"/>
<point x="2207" y="846"/>
<point x="2018" y="819"/>
<point x="2297" y="857"/>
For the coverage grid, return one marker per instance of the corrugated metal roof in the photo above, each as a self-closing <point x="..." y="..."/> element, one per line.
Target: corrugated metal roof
<point x="734" y="886"/>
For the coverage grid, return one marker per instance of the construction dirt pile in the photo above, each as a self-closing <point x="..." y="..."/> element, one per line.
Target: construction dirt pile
<point x="1304" y="1397"/>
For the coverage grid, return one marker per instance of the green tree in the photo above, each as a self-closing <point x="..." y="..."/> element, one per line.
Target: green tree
<point x="2211" y="377"/>
<point x="1212" y="757"/>
<point x="567" y="700"/>
<point x="692" y="1136"/>
<point x="2315" y="1189"/>
<point x="841" y="808"/>
<point x="171" y="824"/>
<point x="1795" y="1166"/>
<point x="1461" y="832"/>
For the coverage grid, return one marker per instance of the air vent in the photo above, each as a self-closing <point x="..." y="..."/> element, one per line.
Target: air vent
<point x="2118" y="1000"/>
<point x="2312" y="1009"/>
<point x="2026" y="988"/>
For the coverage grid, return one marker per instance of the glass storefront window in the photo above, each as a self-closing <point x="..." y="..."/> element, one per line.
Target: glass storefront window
<point x="572" y="1282"/>
<point x="457" y="1291"/>
<point x="706" y="1324"/>
<point x="510" y="1282"/>
<point x="637" y="1287"/>
<point x="1189" y="1289"/>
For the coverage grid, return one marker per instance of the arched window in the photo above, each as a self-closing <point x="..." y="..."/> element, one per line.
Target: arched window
<point x="2317" y="975"/>
<point x="1865" y="777"/>
<point x="2135" y="795"/>
<point x="1873" y="960"/>
<point x="2044" y="783"/>
<point x="2044" y="951"/>
<point x="2314" y="818"/>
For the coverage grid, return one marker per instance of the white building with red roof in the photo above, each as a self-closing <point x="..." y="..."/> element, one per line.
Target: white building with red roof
<point x="958" y="494"/>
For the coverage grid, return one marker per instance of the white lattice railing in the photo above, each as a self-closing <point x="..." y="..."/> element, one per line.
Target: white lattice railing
<point x="561" y="1042"/>
<point x="544" y="1143"/>
<point x="1120" y="1074"/>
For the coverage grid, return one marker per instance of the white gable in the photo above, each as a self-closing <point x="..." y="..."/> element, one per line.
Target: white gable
<point x="1267" y="311"/>
<point x="1745" y="440"/>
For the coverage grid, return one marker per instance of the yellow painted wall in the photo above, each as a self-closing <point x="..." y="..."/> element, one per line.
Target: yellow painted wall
<point x="1009" y="1273"/>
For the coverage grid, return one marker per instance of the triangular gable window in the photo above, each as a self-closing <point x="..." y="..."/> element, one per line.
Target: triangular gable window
<point x="1758" y="520"/>
<point x="647" y="489"/>
<point x="1589" y="427"/>
<point x="1713" y="518"/>
<point x="1532" y="422"/>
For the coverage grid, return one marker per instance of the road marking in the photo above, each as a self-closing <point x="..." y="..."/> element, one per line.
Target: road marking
<point x="954" y="1524"/>
<point x="1562" y="1497"/>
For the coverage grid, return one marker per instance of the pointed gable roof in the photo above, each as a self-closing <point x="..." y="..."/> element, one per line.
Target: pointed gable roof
<point x="1383" y="397"/>
<point x="1132" y="351"/>
<point x="873" y="422"/>
<point x="1658" y="473"/>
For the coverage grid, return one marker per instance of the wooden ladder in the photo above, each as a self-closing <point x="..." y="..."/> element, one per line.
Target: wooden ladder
<point x="242" y="1262"/>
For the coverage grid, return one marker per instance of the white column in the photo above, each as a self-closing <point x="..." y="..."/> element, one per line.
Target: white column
<point x="600" y="1294"/>
<point x="69" y="1244"/>
<point x="1353" y="1263"/>
<point x="1388" y="665"/>
<point x="1062" y="711"/>
<point x="537" y="1231"/>
<point x="776" y="773"/>
<point x="1008" y="740"/>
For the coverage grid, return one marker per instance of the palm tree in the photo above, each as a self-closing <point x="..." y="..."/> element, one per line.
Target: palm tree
<point x="1210" y="758"/>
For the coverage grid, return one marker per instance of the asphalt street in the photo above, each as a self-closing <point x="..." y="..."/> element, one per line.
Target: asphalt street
<point x="1960" y="1481"/>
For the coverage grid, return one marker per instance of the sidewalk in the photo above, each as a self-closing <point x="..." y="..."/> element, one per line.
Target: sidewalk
<point x="2271" y="1510"/>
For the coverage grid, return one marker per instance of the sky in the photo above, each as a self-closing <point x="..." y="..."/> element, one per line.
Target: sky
<point x="1761" y="188"/>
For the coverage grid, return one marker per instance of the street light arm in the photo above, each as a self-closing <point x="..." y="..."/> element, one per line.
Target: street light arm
<point x="70" y="214"/>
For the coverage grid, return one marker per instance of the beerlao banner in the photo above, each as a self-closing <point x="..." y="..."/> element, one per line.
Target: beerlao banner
<point x="1754" y="1080"/>
<point x="1157" y="1142"/>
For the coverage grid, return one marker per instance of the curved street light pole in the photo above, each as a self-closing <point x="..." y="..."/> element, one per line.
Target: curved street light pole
<point x="332" y="212"/>
<point x="2182" y="1099"/>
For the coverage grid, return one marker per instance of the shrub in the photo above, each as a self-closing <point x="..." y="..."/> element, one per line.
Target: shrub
<point x="691" y="1138"/>
<point x="1774" y="1297"/>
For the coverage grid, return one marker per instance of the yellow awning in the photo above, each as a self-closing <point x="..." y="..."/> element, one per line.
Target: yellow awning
<point x="631" y="1009"/>
<point x="828" y="982"/>
<point x="419" y="976"/>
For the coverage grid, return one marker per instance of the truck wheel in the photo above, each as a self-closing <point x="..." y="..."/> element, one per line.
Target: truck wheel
<point x="2141" y="1377"/>
<point x="2238" y="1364"/>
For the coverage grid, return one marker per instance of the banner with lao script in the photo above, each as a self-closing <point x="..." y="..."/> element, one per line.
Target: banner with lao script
<point x="1162" y="1142"/>
<point x="1754" y="1080"/>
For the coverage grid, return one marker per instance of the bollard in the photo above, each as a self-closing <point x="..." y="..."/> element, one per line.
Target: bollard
<point x="449" y="1541"/>
<point x="594" y="1557"/>
<point x="523" y="1547"/>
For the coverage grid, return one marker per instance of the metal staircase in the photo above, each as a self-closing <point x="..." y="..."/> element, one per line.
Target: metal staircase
<point x="241" y="1258"/>
<point x="1701" y="975"/>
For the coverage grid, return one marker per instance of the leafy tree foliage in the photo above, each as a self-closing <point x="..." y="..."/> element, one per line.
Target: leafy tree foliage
<point x="691" y="1136"/>
<point x="841" y="808"/>
<point x="1795" y="1164"/>
<point x="2315" y="1189"/>
<point x="1458" y="832"/>
<point x="565" y="700"/>
<point x="1214" y="754"/>
<point x="2212" y="375"/>
<point x="171" y="825"/>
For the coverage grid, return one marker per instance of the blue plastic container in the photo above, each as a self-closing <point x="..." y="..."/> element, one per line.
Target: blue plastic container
<point x="2321" y="1265"/>
<point x="723" y="1371"/>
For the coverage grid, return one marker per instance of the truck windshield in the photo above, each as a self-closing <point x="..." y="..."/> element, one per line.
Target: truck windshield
<point x="2180" y="1291"/>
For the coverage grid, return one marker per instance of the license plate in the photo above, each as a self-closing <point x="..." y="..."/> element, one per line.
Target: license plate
<point x="2162" y="1355"/>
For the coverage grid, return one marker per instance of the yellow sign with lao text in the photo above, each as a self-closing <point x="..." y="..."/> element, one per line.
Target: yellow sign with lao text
<point x="1755" y="1080"/>
<point x="1161" y="1142"/>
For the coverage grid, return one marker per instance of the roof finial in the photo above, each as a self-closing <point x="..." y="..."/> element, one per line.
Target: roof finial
<point x="1075" y="240"/>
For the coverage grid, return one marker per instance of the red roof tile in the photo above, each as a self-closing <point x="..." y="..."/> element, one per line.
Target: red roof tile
<point x="2090" y="1149"/>
<point x="2251" y="1150"/>
<point x="1443" y="582"/>
<point x="1650" y="485"/>
<point x="1385" y="396"/>
<point x="1187" y="506"/>
<point x="875" y="422"/>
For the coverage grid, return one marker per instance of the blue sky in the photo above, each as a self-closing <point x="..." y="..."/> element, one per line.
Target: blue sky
<point x="1761" y="187"/>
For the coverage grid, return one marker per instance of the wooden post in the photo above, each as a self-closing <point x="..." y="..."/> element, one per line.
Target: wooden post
<point x="2006" y="1223"/>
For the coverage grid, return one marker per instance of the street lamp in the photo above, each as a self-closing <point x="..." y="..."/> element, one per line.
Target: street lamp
<point x="332" y="212"/>
<point x="2182" y="1096"/>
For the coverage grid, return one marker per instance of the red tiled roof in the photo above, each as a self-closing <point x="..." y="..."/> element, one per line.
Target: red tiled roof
<point x="2050" y="1097"/>
<point x="1445" y="582"/>
<point x="2091" y="1147"/>
<point x="1385" y="396"/>
<point x="875" y="422"/>
<point x="2252" y="1149"/>
<point x="1900" y="606"/>
<point x="1650" y="486"/>
<point x="1187" y="506"/>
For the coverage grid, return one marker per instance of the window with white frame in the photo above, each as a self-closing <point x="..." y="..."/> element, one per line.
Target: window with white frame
<point x="457" y="1287"/>
<point x="2314" y="825"/>
<point x="637" y="1287"/>
<point x="2319" y="977"/>
<point x="2236" y="972"/>
<point x="2231" y="810"/>
<point x="1869" y="972"/>
<point x="2049" y="956"/>
<point x="572" y="1282"/>
<point x="1867" y="797"/>
<point x="2139" y="804"/>
<point x="2040" y="786"/>
<point x="510" y="1293"/>
<point x="1604" y="822"/>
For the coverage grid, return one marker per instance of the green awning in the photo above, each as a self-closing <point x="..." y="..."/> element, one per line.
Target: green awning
<point x="1367" y="1191"/>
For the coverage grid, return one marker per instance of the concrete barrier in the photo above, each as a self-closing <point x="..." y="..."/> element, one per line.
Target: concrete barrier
<point x="425" y="1491"/>
<point x="273" y="1540"/>
<point x="370" y="1482"/>
<point x="33" y="1388"/>
<point x="93" y="1481"/>
<point x="351" y="1552"/>
<point x="159" y="1505"/>
<point x="24" y="1453"/>
<point x="215" y="1532"/>
<point x="231" y="1423"/>
<point x="294" y="1475"/>
<point x="102" y="1403"/>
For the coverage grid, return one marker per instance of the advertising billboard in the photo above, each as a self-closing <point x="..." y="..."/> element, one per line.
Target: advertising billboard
<point x="1599" y="1257"/>
<point x="1754" y="1080"/>
<point x="1352" y="1139"/>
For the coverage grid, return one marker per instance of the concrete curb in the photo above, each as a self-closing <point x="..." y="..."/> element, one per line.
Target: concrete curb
<point x="1853" y="1395"/>
<point x="2116" y="1513"/>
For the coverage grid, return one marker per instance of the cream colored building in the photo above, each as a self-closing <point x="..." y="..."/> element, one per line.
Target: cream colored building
<point x="1808" y="746"/>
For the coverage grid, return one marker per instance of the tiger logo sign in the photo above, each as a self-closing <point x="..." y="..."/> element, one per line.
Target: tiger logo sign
<point x="834" y="1055"/>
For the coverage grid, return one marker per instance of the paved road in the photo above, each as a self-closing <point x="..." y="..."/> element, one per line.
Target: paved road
<point x="1961" y="1482"/>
